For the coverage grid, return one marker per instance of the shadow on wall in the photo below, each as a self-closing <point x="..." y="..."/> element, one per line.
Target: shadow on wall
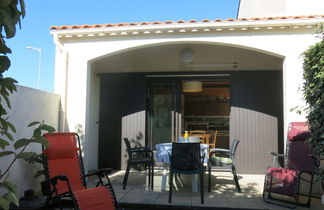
<point x="260" y="92"/>
<point x="139" y="141"/>
<point x="42" y="106"/>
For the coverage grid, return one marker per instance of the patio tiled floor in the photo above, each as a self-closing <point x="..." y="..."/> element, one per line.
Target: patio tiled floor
<point x="223" y="195"/>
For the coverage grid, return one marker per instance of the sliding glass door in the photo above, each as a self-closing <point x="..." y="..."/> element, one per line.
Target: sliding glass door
<point x="163" y="111"/>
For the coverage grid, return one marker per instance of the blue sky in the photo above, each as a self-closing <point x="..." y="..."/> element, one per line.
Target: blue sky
<point x="41" y="15"/>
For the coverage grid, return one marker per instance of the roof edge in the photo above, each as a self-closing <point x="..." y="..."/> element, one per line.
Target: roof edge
<point x="191" y="22"/>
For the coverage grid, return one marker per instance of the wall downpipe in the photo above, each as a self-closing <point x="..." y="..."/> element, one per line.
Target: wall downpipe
<point x="63" y="108"/>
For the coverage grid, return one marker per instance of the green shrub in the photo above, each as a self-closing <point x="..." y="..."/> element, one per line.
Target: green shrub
<point x="313" y="88"/>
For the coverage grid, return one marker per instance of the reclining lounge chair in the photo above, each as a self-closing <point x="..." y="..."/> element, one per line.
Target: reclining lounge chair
<point x="65" y="176"/>
<point x="282" y="185"/>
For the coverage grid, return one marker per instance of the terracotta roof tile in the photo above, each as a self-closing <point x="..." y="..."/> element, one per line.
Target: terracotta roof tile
<point x="64" y="27"/>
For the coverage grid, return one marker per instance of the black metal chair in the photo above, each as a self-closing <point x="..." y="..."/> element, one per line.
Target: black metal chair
<point x="186" y="159"/>
<point x="136" y="156"/>
<point x="223" y="163"/>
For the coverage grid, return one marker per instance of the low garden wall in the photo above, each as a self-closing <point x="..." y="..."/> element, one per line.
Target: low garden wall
<point x="28" y="105"/>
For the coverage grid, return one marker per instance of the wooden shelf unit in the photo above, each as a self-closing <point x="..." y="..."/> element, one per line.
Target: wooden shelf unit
<point x="208" y="123"/>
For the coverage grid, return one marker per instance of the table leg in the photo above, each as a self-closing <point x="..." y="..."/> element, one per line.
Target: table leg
<point x="194" y="183"/>
<point x="164" y="177"/>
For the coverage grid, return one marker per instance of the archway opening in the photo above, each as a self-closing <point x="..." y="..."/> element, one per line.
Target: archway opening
<point x="254" y="86"/>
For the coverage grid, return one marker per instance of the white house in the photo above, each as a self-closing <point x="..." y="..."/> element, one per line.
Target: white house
<point x="125" y="80"/>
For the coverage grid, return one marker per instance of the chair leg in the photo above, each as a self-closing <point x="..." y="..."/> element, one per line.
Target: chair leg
<point x="202" y="187"/>
<point x="152" y="174"/>
<point x="149" y="175"/>
<point x="126" y="176"/>
<point x="236" y="179"/>
<point x="309" y="193"/>
<point x="170" y="186"/>
<point x="209" y="179"/>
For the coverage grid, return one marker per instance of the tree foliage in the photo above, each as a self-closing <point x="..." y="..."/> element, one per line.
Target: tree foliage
<point x="11" y="11"/>
<point x="313" y="88"/>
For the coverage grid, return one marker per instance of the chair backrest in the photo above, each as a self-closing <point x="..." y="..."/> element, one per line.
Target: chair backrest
<point x="128" y="146"/>
<point x="186" y="157"/>
<point x="298" y="156"/>
<point x="63" y="157"/>
<point x="201" y="132"/>
<point x="299" y="151"/>
<point x="198" y="133"/>
<point x="233" y="148"/>
<point x="214" y="140"/>
<point x="298" y="131"/>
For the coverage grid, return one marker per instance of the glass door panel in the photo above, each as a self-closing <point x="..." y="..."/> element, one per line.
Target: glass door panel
<point x="163" y="111"/>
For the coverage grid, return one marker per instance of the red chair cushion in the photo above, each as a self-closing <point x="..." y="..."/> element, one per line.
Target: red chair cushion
<point x="99" y="198"/>
<point x="284" y="181"/>
<point x="62" y="159"/>
<point x="60" y="146"/>
<point x="70" y="168"/>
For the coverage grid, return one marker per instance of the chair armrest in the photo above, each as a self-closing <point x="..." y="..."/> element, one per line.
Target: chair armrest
<point x="277" y="154"/>
<point x="50" y="191"/>
<point x="54" y="179"/>
<point x="141" y="149"/>
<point x="100" y="172"/>
<point x="220" y="150"/>
<point x="316" y="159"/>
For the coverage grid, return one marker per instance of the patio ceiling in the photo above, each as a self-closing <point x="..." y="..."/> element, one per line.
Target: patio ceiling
<point x="206" y="57"/>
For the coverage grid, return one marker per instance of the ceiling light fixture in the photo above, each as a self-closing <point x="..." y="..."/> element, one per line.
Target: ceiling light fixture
<point x="186" y="55"/>
<point x="191" y="86"/>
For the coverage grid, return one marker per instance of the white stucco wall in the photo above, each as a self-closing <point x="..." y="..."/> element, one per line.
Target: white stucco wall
<point x="29" y="105"/>
<point x="273" y="8"/>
